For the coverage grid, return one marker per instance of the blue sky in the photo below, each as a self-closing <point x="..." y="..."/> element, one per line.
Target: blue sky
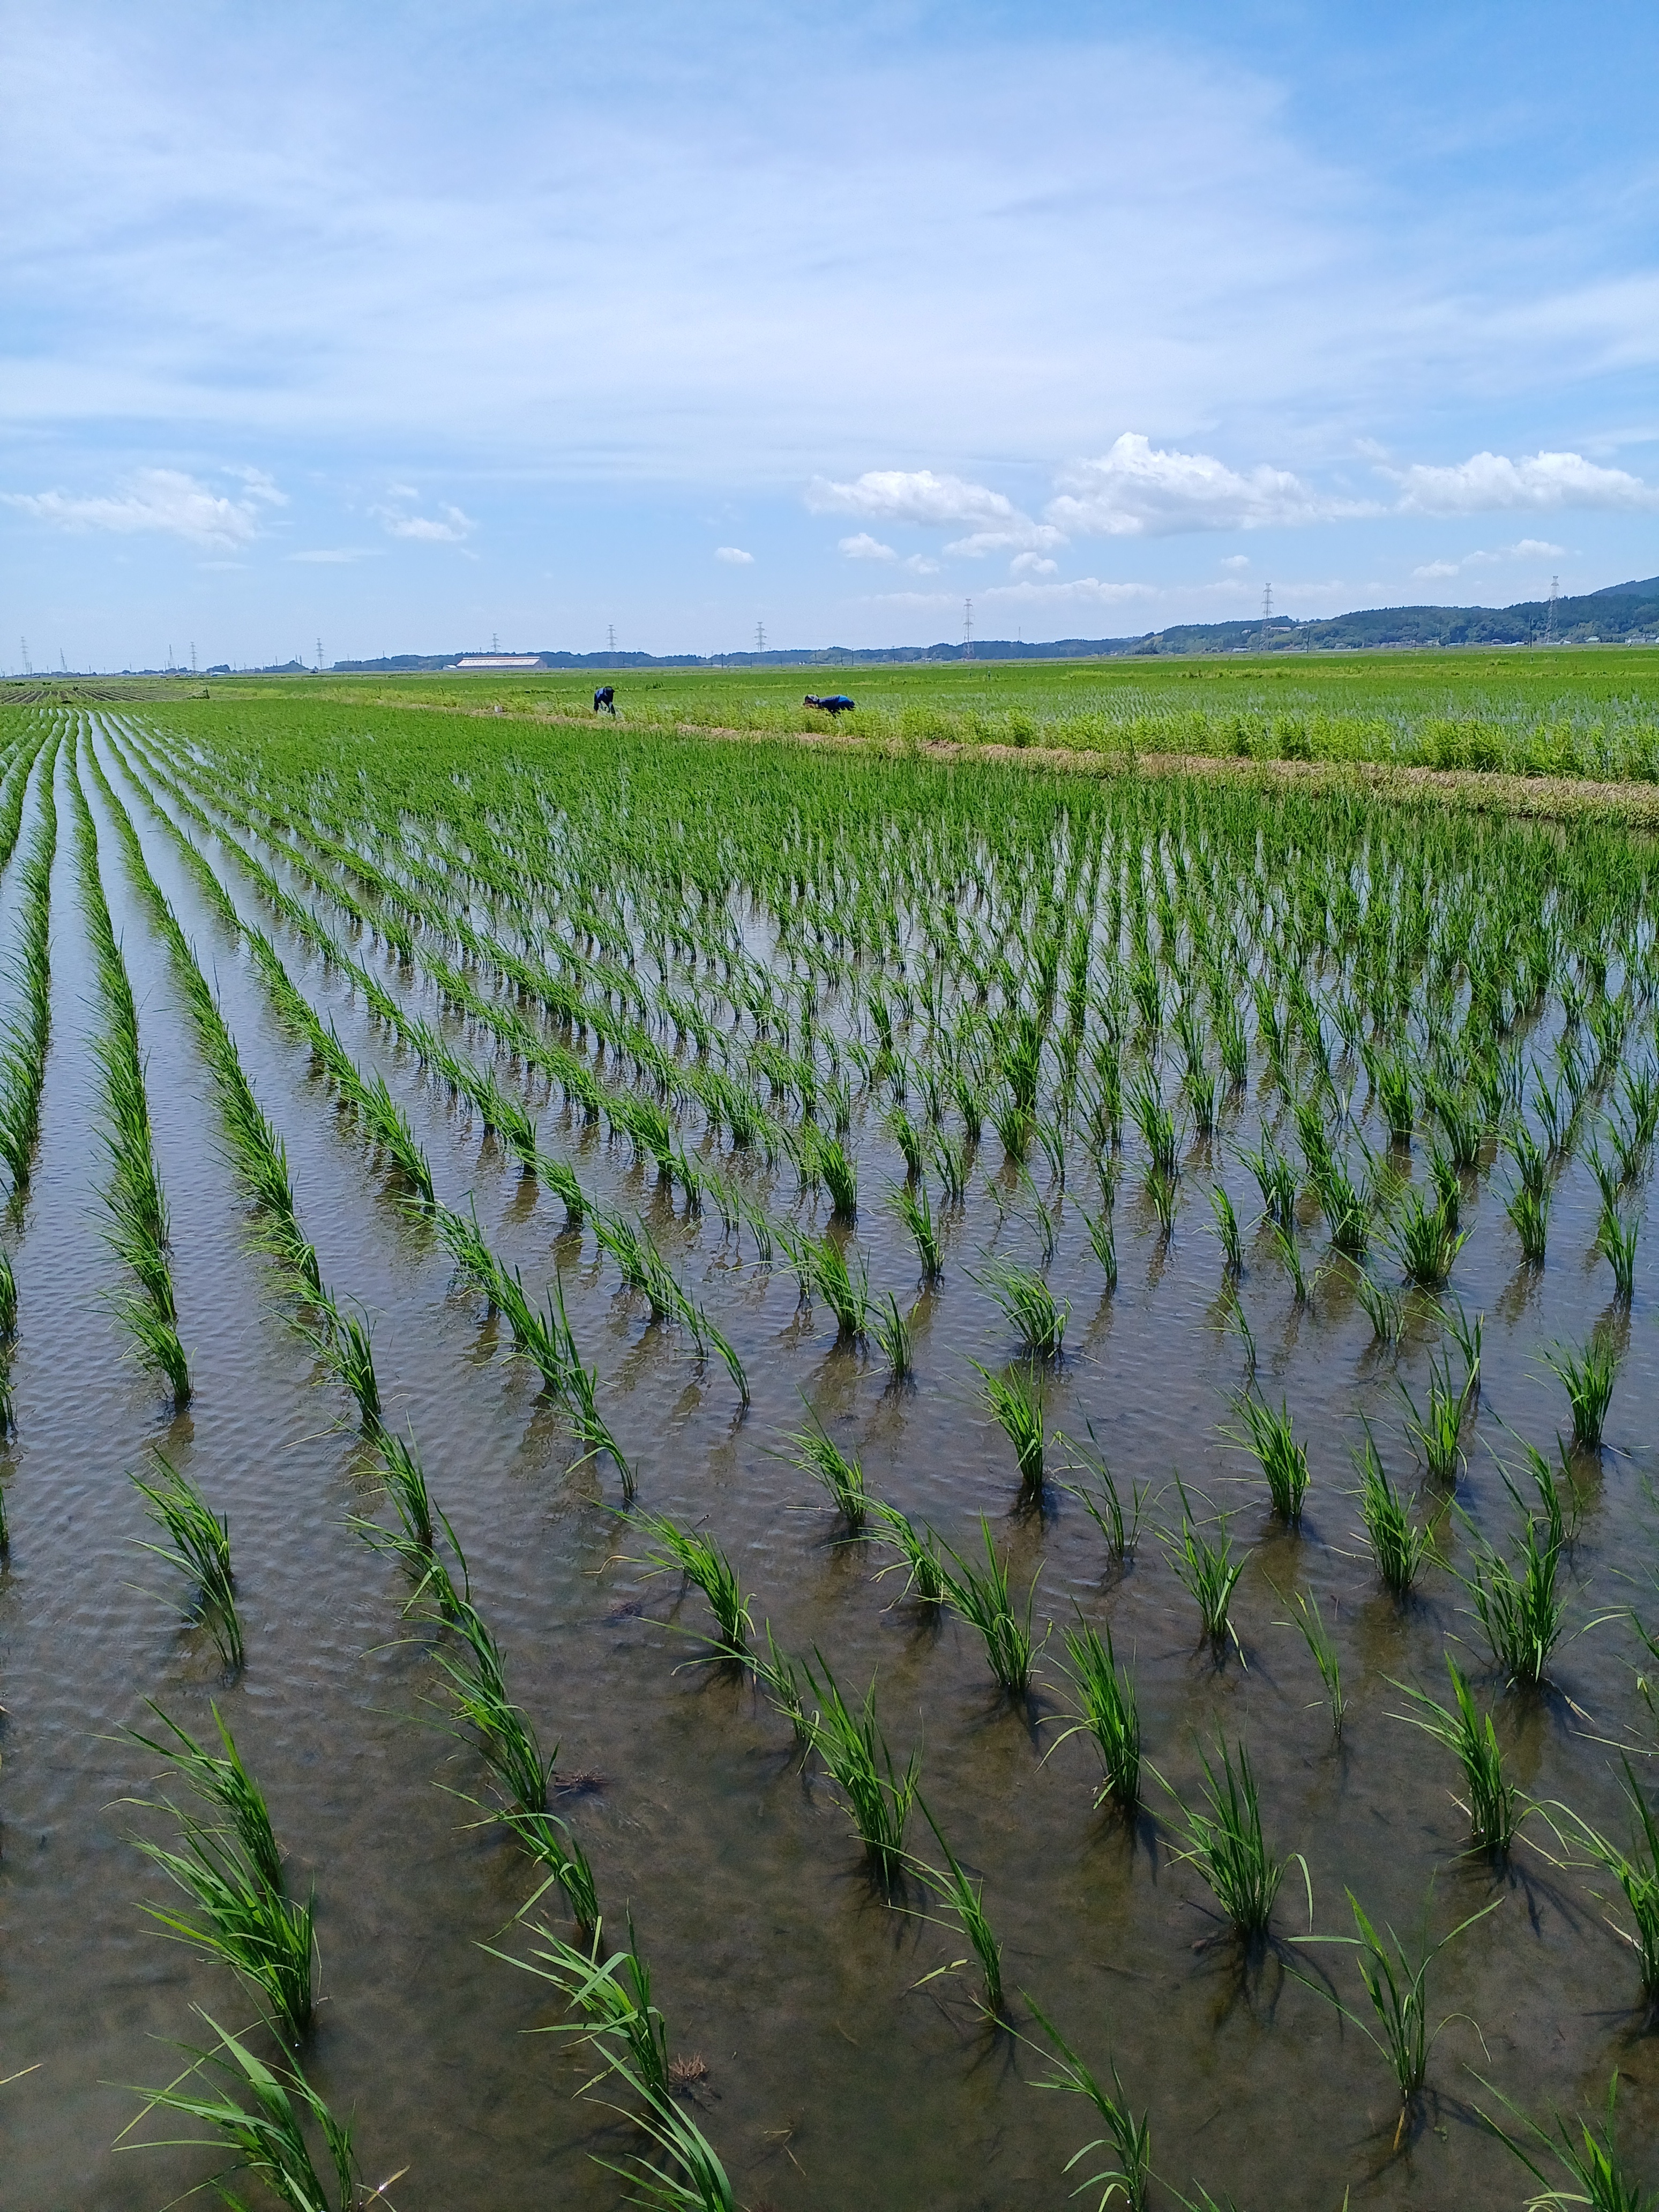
<point x="410" y="325"/>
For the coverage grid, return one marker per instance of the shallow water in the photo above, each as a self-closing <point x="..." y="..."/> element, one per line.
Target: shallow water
<point x="836" y="2074"/>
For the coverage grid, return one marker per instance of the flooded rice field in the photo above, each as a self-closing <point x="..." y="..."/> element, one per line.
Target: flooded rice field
<point x="844" y="1442"/>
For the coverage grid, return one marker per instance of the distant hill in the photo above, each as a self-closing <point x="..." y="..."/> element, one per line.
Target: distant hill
<point x="1618" y="614"/>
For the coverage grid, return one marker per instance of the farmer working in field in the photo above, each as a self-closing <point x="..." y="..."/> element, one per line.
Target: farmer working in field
<point x="838" y="703"/>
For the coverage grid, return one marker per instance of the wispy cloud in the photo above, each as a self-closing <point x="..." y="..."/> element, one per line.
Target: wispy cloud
<point x="1524" y="548"/>
<point x="164" y="500"/>
<point x="861" y="546"/>
<point x="735" y="556"/>
<point x="333" y="556"/>
<point x="449" y="526"/>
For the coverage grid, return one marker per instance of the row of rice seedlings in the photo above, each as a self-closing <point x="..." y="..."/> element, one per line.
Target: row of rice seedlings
<point x="230" y="1872"/>
<point x="138" y="1228"/>
<point x="198" y="1544"/>
<point x="27" y="1031"/>
<point x="966" y="1898"/>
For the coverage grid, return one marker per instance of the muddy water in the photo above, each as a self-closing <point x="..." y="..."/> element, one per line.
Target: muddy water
<point x="835" y="2076"/>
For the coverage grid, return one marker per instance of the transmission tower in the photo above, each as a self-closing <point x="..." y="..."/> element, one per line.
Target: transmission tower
<point x="1549" y="618"/>
<point x="760" y="637"/>
<point x="610" y="637"/>
<point x="494" y="641"/>
<point x="967" y="629"/>
<point x="28" y="667"/>
<point x="319" y="657"/>
<point x="192" y="656"/>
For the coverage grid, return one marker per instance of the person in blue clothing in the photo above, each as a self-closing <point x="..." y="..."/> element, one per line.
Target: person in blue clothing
<point x="838" y="703"/>
<point x="605" y="698"/>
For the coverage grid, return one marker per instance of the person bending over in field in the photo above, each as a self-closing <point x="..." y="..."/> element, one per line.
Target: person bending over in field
<point x="605" y="698"/>
<point x="838" y="703"/>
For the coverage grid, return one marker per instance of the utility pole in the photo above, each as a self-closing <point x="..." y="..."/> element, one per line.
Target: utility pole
<point x="169" y="660"/>
<point x="760" y="637"/>
<point x="967" y="629"/>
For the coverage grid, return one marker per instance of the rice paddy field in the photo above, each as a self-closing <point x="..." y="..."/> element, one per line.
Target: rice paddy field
<point x="739" y="1475"/>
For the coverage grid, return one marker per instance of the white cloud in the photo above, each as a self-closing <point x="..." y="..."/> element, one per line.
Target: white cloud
<point x="1137" y="490"/>
<point x="920" y="565"/>
<point x="449" y="527"/>
<point x="863" y="547"/>
<point x="1236" y="561"/>
<point x="735" y="556"/>
<point x="335" y="556"/>
<point x="913" y="496"/>
<point x="1431" y="569"/>
<point x="1524" y="548"/>
<point x="165" y="499"/>
<point x="1492" y="482"/>
<point x="1032" y="564"/>
<point x="260" y="485"/>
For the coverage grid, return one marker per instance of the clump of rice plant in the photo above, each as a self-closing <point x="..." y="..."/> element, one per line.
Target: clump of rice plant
<point x="1528" y="1211"/>
<point x="198" y="1544"/>
<point x="1384" y="1308"/>
<point x="1398" y="1545"/>
<point x="1127" y="2140"/>
<point x="263" y="2118"/>
<point x="917" y="1553"/>
<point x="1428" y="1240"/>
<point x="24" y="1041"/>
<point x="910" y="1203"/>
<point x="1207" y="1570"/>
<point x="266" y="1936"/>
<point x="1588" y="1375"/>
<point x="1492" y="1806"/>
<point x="1617" y="1237"/>
<point x="1635" y="1871"/>
<point x="1596" y="2172"/>
<point x="1437" y="1433"/>
<point x="1031" y="1307"/>
<point x="222" y="1780"/>
<point x="1225" y="1841"/>
<point x="1290" y="1251"/>
<point x="1102" y="1242"/>
<point x="1275" y="1179"/>
<point x="983" y="1601"/>
<point x="1521" y="1614"/>
<point x="705" y="1564"/>
<point x="611" y="2000"/>
<point x="344" y="1344"/>
<point x="1015" y="1402"/>
<point x="818" y="1453"/>
<point x="1226" y="1230"/>
<point x="965" y="1898"/>
<point x="1283" y="1460"/>
<point x="547" y="1840"/>
<point x="1396" y="1983"/>
<point x="1321" y="1649"/>
<point x="891" y="1330"/>
<point x="1105" y="1709"/>
<point x="877" y="1794"/>
<point x="844" y="1288"/>
<point x="1118" y="1524"/>
<point x="506" y="1740"/>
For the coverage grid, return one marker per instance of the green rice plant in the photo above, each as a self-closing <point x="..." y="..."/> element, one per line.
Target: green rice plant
<point x="223" y="1782"/>
<point x="844" y="1290"/>
<point x="1589" y="1376"/>
<point x="1126" y="2139"/>
<point x="695" y="2180"/>
<point x="1030" y="1306"/>
<point x="1605" y="1174"/>
<point x="1616" y="1236"/>
<point x="891" y="1330"/>
<point x="344" y="1344"/>
<point x="1290" y="1251"/>
<point x="1121" y="1527"/>
<point x="263" y="1935"/>
<point x="816" y="1453"/>
<point x="610" y="2001"/>
<point x="1014" y="1125"/>
<point x="199" y="1545"/>
<point x="1156" y="1124"/>
<point x="1493" y="1802"/>
<point x="1207" y="1571"/>
<point x="1635" y="1872"/>
<point x="1459" y="1121"/>
<point x="780" y="1674"/>
<point x="548" y="1841"/>
<point x="1225" y="1842"/>
<point x="1163" y="1195"/>
<point x="970" y="1097"/>
<point x="157" y="1345"/>
<point x="1448" y="1184"/>
<point x="1396" y="1983"/>
<point x="1384" y="1308"/>
<point x="1017" y="1406"/>
<point x="1437" y="1433"/>
<point x="705" y="1566"/>
<point x="1105" y="1709"/>
<point x="1530" y="1163"/>
<point x="1275" y="1179"/>
<point x="1522" y="1614"/>
<point x="263" y="2118"/>
<point x="840" y="1178"/>
<point x="984" y="1602"/>
<point x="7" y="1300"/>
<point x="952" y="1164"/>
<point x="1529" y="1212"/>
<point x="1427" y="1241"/>
<point x="506" y="1740"/>
<point x="1284" y="1462"/>
<point x="24" y="1041"/>
<point x="388" y="1124"/>
<point x="1597" y="2174"/>
<point x="1322" y="1650"/>
<point x="910" y="1202"/>
<point x="1102" y="1242"/>
<point x="965" y="1898"/>
<point x="917" y="1553"/>
<point x="855" y="1752"/>
<point x="1226" y="1230"/>
<point x="1393" y="1076"/>
<point x="1397" y="1545"/>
